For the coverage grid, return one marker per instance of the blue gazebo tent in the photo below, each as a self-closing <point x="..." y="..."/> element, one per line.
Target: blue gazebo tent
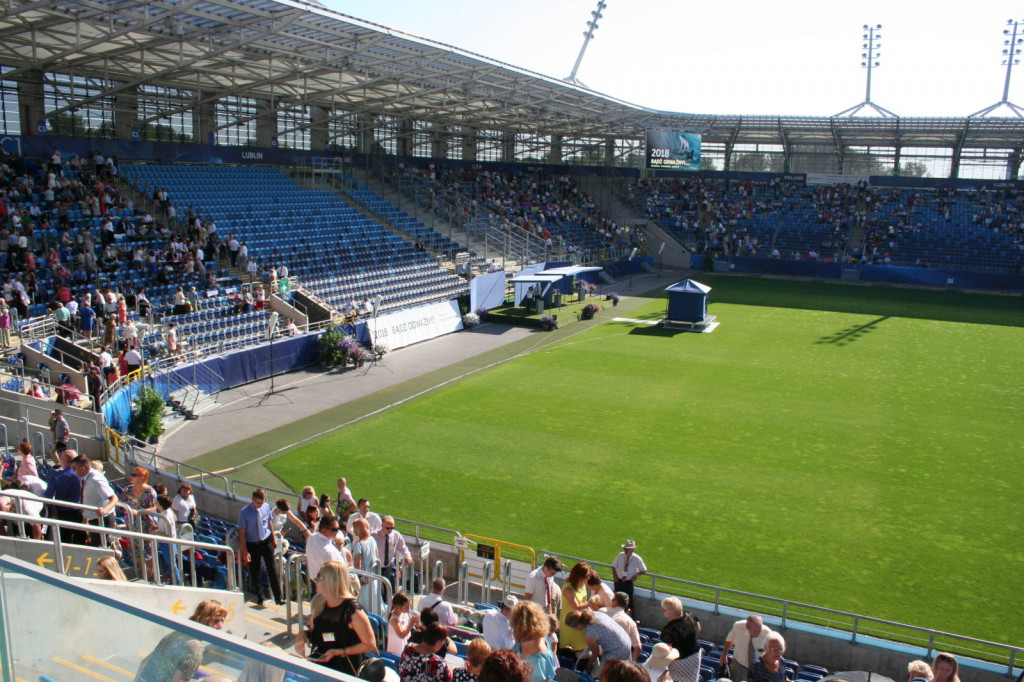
<point x="687" y="301"/>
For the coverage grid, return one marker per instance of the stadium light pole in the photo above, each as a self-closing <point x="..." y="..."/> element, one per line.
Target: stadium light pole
<point x="588" y="35"/>
<point x="870" y="57"/>
<point x="1011" y="57"/>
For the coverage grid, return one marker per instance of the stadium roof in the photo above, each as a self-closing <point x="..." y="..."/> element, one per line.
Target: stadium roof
<point x="300" y="53"/>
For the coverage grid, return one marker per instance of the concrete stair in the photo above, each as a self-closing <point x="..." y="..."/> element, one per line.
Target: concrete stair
<point x="191" y="403"/>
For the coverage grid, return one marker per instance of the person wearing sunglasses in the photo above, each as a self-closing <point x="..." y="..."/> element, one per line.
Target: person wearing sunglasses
<point x="320" y="547"/>
<point x="307" y="499"/>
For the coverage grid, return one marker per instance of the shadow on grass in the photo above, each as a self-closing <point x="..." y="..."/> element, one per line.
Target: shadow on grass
<point x="656" y="330"/>
<point x="881" y="300"/>
<point x="851" y="334"/>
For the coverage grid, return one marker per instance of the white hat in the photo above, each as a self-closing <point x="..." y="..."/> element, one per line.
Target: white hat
<point x="630" y="544"/>
<point x="661" y="655"/>
<point x="508" y="602"/>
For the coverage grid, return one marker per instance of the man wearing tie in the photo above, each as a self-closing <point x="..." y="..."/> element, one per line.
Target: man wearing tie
<point x="392" y="550"/>
<point x="540" y="585"/>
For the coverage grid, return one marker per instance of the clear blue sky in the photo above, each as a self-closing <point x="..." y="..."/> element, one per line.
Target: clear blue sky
<point x="938" y="58"/>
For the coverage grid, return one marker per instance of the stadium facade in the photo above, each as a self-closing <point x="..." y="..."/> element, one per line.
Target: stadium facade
<point x="294" y="75"/>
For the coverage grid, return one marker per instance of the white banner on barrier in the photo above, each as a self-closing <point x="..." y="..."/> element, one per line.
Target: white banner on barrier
<point x="396" y="330"/>
<point x="834" y="179"/>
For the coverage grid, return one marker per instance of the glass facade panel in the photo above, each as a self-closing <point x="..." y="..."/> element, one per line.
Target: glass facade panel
<point x="65" y="629"/>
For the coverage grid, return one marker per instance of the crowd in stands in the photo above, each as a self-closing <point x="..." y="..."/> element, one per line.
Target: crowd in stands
<point x="586" y="625"/>
<point x="552" y="208"/>
<point x="858" y="223"/>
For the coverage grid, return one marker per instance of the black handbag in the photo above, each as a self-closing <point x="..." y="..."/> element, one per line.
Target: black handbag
<point x="372" y="670"/>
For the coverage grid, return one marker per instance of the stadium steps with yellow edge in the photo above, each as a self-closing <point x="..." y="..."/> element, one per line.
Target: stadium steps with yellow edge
<point x="119" y="668"/>
<point x="261" y="624"/>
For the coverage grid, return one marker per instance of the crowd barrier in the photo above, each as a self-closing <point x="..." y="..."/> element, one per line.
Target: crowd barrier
<point x="218" y="373"/>
<point x="958" y="279"/>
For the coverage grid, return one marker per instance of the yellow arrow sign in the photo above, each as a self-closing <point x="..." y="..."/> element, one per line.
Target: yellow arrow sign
<point x="178" y="607"/>
<point x="44" y="559"/>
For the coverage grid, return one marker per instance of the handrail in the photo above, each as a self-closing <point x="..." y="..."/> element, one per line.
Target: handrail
<point x="141" y="454"/>
<point x="154" y="540"/>
<point x="73" y="419"/>
<point x="131" y="377"/>
<point x="116" y="445"/>
<point x="717" y="597"/>
<point x="374" y="578"/>
<point x="498" y="544"/>
<point x="254" y="486"/>
<point x="36" y="328"/>
<point x="293" y="576"/>
<point x="485" y="581"/>
<point x="463" y="581"/>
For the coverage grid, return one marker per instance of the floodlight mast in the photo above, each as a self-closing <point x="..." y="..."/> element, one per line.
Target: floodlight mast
<point x="1011" y="54"/>
<point x="588" y="35"/>
<point x="870" y="55"/>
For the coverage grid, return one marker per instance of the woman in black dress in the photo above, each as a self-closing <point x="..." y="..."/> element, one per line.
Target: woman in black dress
<point x="682" y="628"/>
<point x="339" y="632"/>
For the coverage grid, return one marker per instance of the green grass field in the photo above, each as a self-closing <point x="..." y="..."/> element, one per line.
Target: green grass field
<point x="858" y="448"/>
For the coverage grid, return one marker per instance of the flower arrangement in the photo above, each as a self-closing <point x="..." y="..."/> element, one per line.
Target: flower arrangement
<point x="590" y="287"/>
<point x="589" y="311"/>
<point x="614" y="298"/>
<point x="470" y="320"/>
<point x="381" y="349"/>
<point x="358" y="356"/>
<point x="481" y="312"/>
<point x="548" y="323"/>
<point x="347" y="346"/>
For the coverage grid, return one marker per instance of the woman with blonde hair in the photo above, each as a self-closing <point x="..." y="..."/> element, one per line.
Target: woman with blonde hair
<point x="107" y="568"/>
<point x="530" y="627"/>
<point x="307" y="499"/>
<point x="339" y="631"/>
<point x="210" y="613"/>
<point x="177" y="656"/>
<point x="476" y="653"/>
<point x="945" y="668"/>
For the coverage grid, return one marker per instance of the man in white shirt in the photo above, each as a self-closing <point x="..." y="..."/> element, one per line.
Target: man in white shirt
<point x="627" y="567"/>
<point x="618" y="612"/>
<point x="540" y="585"/>
<point x="105" y="359"/>
<point x="363" y="512"/>
<point x="97" y="493"/>
<point x="435" y="600"/>
<point x="320" y="547"/>
<point x="497" y="630"/>
<point x="749" y="637"/>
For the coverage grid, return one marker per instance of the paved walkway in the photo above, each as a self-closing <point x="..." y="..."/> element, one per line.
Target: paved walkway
<point x="252" y="425"/>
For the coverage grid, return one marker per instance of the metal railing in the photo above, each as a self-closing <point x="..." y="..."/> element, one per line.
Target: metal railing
<point x="137" y="539"/>
<point x="860" y="628"/>
<point x="295" y="578"/>
<point x="37" y="328"/>
<point x="142" y="454"/>
<point x="77" y="424"/>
